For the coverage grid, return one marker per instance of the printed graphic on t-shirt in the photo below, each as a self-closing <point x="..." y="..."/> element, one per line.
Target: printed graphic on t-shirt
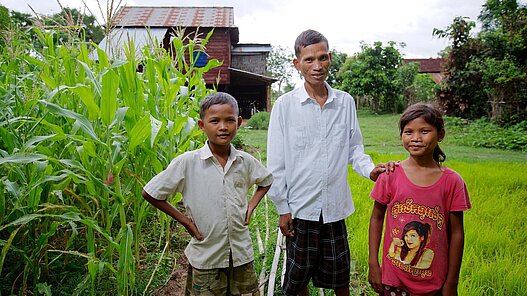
<point x="409" y="249"/>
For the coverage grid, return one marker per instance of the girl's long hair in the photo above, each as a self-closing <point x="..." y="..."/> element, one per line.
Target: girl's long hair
<point x="432" y="116"/>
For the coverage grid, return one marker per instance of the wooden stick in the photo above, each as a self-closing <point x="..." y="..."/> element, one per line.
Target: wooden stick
<point x="284" y="263"/>
<point x="274" y="265"/>
<point x="259" y="240"/>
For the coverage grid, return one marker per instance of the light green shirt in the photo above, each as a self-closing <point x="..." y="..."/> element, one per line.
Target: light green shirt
<point x="216" y="200"/>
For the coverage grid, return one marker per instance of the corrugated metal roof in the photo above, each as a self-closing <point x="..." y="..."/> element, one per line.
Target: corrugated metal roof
<point x="160" y="16"/>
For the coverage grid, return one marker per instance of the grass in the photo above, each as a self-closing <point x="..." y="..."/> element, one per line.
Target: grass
<point x="495" y="228"/>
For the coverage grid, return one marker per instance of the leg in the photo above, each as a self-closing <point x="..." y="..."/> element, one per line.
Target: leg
<point x="302" y="250"/>
<point x="333" y="270"/>
<point x="304" y="292"/>
<point x="342" y="291"/>
<point x="208" y="282"/>
<point x="243" y="281"/>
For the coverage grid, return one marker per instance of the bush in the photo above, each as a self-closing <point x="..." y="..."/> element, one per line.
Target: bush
<point x="259" y="121"/>
<point x="483" y="133"/>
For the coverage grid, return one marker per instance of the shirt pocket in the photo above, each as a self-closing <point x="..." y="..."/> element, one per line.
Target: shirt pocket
<point x="339" y="134"/>
<point x="300" y="137"/>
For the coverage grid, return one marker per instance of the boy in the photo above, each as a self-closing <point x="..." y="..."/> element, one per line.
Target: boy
<point x="214" y="181"/>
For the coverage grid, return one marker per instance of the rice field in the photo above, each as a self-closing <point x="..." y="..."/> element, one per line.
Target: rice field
<point x="494" y="262"/>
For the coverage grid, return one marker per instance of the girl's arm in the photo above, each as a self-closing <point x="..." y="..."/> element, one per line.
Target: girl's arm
<point x="170" y="210"/>
<point x="375" y="233"/>
<point x="455" y="253"/>
<point x="255" y="200"/>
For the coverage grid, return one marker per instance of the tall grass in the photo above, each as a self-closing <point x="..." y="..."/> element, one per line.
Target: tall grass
<point x="79" y="138"/>
<point x="495" y="228"/>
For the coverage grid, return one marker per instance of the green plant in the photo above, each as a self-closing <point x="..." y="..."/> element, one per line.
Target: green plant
<point x="80" y="138"/>
<point x="259" y="121"/>
<point x="483" y="133"/>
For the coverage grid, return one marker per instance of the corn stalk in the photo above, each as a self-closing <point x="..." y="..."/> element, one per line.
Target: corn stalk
<point x="79" y="138"/>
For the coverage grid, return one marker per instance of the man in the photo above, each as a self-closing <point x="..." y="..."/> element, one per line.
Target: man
<point x="313" y="136"/>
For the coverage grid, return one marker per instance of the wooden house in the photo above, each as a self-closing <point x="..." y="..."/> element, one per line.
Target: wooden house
<point x="242" y="73"/>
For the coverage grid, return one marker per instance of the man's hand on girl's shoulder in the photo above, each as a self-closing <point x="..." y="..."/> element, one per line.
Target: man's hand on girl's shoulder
<point x="387" y="168"/>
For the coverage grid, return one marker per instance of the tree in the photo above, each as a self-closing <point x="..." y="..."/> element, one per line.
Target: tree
<point x="485" y="74"/>
<point x="74" y="24"/>
<point x="458" y="94"/>
<point x="280" y="66"/>
<point x="337" y="61"/>
<point x="5" y="22"/>
<point x="374" y="72"/>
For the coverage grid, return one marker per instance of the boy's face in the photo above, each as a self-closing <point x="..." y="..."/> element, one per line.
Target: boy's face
<point x="313" y="63"/>
<point x="220" y="123"/>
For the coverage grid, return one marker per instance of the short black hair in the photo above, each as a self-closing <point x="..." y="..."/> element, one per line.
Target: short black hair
<point x="217" y="98"/>
<point x="307" y="38"/>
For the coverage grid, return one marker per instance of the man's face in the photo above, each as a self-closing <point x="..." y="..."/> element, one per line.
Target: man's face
<point x="313" y="63"/>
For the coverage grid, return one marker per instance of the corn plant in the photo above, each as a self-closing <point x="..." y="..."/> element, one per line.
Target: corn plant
<point x="79" y="138"/>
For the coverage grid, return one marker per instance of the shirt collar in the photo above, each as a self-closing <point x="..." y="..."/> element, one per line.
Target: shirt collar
<point x="205" y="152"/>
<point x="304" y="97"/>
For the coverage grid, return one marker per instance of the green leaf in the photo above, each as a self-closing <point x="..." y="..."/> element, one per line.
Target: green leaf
<point x="84" y="124"/>
<point x="88" y="98"/>
<point x="140" y="132"/>
<point x="23" y="158"/>
<point x="125" y="265"/>
<point x="6" y="247"/>
<point x="110" y="86"/>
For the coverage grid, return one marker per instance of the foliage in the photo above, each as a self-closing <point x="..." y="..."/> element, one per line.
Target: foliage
<point x="484" y="133"/>
<point x="259" y="121"/>
<point x="423" y="89"/>
<point x="337" y="61"/>
<point x="280" y="65"/>
<point x="5" y="22"/>
<point x="78" y="140"/>
<point x="377" y="72"/>
<point x="70" y="24"/>
<point x="485" y="74"/>
<point x="75" y="24"/>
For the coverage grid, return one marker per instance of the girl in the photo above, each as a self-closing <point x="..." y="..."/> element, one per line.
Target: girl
<point x="420" y="192"/>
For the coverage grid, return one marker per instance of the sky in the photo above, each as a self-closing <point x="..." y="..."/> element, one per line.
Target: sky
<point x="345" y="23"/>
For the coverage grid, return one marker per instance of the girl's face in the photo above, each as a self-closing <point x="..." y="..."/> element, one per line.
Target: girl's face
<point x="412" y="239"/>
<point x="420" y="138"/>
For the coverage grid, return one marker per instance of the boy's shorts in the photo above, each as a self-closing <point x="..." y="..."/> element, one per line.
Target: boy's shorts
<point x="239" y="280"/>
<point x="318" y="251"/>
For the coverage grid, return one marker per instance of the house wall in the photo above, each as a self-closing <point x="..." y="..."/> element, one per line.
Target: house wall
<point x="218" y="47"/>
<point x="255" y="63"/>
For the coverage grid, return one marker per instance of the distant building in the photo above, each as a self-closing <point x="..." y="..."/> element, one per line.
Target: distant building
<point x="431" y="66"/>
<point x="242" y="73"/>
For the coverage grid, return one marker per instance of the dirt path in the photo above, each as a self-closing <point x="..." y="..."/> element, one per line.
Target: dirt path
<point x="176" y="284"/>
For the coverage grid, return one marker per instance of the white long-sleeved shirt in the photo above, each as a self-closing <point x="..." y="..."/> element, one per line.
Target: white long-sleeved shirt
<point x="309" y="148"/>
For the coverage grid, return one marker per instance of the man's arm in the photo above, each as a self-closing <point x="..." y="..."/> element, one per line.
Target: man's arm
<point x="276" y="160"/>
<point x="170" y="210"/>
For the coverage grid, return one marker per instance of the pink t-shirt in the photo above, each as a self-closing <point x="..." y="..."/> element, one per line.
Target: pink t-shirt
<point x="415" y="249"/>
